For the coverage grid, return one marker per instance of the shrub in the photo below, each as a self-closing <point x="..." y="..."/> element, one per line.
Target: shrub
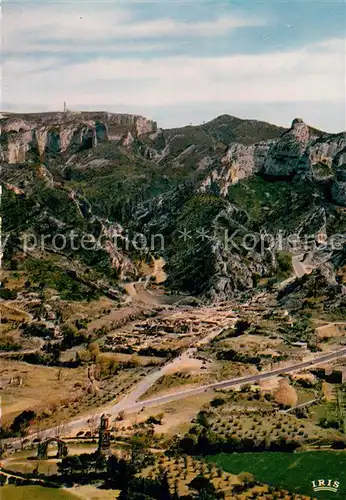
<point x="284" y="261"/>
<point x="217" y="402"/>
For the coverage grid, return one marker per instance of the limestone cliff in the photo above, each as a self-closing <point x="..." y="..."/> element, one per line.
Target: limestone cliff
<point x="299" y="150"/>
<point x="35" y="136"/>
<point x="239" y="162"/>
<point x="284" y="155"/>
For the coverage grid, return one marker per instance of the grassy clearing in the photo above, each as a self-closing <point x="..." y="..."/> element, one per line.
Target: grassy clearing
<point x="34" y="493"/>
<point x="64" y="393"/>
<point x="25" y="461"/>
<point x="176" y="416"/>
<point x="292" y="471"/>
<point x="58" y="388"/>
<point x="28" y="466"/>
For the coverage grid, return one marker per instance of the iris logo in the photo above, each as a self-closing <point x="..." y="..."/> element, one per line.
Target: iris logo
<point x="325" y="485"/>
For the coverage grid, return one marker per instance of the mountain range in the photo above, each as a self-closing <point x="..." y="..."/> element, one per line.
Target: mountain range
<point x="220" y="202"/>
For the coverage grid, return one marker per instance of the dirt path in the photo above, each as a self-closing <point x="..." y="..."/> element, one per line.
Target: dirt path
<point x="28" y="316"/>
<point x="299" y="270"/>
<point x="139" y="293"/>
<point x="138" y="290"/>
<point x="3" y="354"/>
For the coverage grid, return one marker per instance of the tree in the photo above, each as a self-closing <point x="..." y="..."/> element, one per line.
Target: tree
<point x="202" y="419"/>
<point x="100" y="463"/>
<point x="39" y="427"/>
<point x="140" y="454"/>
<point x="202" y="488"/>
<point x="340" y="408"/>
<point x="61" y="428"/>
<point x="121" y="415"/>
<point x="155" y="419"/>
<point x="146" y="489"/>
<point x="94" y="350"/>
<point x="71" y="336"/>
<point x="247" y="479"/>
<point x="217" y="402"/>
<point x="69" y="465"/>
<point x="82" y="464"/>
<point x="240" y="327"/>
<point x="23" y="432"/>
<point x="105" y="366"/>
<point x="284" y="262"/>
<point x="188" y="443"/>
<point x="22" y="422"/>
<point x="119" y="472"/>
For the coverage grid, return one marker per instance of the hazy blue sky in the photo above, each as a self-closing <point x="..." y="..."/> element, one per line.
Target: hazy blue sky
<point x="178" y="62"/>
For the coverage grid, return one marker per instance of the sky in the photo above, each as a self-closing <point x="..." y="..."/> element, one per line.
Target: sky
<point x="178" y="62"/>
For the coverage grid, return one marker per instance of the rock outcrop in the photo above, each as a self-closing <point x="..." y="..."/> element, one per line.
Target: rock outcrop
<point x="298" y="150"/>
<point x="36" y="136"/>
<point x="239" y="162"/>
<point x="283" y="157"/>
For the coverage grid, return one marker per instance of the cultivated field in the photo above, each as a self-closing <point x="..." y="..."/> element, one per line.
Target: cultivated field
<point x="293" y="471"/>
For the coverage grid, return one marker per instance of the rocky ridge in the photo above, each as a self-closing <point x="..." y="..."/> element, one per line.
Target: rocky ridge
<point x="37" y="136"/>
<point x="297" y="150"/>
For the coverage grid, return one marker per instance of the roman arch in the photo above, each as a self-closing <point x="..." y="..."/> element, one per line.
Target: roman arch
<point x="42" y="451"/>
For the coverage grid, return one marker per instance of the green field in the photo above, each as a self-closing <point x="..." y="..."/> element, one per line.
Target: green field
<point x="34" y="493"/>
<point x="291" y="471"/>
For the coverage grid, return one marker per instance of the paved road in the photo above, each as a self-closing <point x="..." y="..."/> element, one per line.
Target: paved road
<point x="130" y="403"/>
<point x="130" y="400"/>
<point x="173" y="365"/>
<point x="229" y="383"/>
